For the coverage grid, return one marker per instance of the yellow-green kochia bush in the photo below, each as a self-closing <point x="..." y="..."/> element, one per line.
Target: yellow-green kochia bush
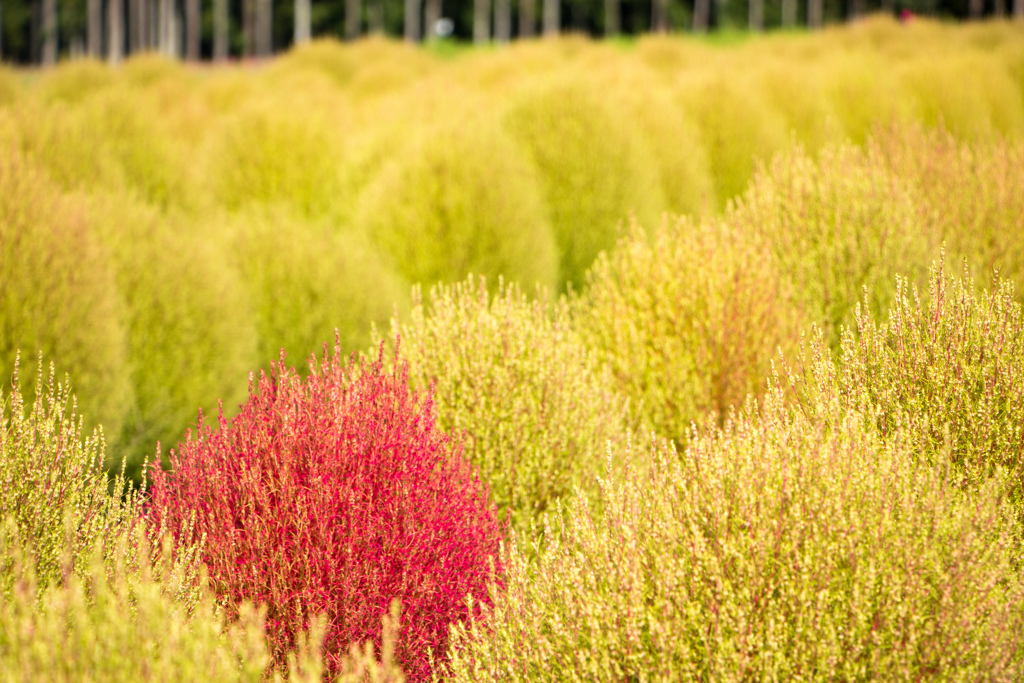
<point x="970" y="194"/>
<point x="190" y="333"/>
<point x="836" y="226"/>
<point x="534" y="406"/>
<point x="777" y="549"/>
<point x="594" y="169"/>
<point x="122" y="626"/>
<point x="737" y="127"/>
<point x="305" y="283"/>
<point x="113" y="140"/>
<point x="266" y="154"/>
<point x="460" y="199"/>
<point x="58" y="291"/>
<point x="60" y="514"/>
<point x="949" y="367"/>
<point x="687" y="322"/>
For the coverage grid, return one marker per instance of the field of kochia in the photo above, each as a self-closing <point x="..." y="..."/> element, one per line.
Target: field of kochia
<point x="661" y="361"/>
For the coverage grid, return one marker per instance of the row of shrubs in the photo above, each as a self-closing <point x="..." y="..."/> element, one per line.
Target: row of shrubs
<point x="863" y="519"/>
<point x="270" y="224"/>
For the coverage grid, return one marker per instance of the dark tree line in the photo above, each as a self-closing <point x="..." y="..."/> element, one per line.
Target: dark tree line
<point x="42" y="31"/>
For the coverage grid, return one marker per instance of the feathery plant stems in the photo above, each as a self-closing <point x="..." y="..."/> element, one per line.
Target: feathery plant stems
<point x="510" y="377"/>
<point x="836" y="226"/>
<point x="687" y="322"/>
<point x="336" y="493"/>
<point x="779" y="548"/>
<point x="950" y="368"/>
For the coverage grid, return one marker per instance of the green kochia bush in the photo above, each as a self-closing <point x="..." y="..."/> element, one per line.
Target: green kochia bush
<point x="461" y="199"/>
<point x="949" y="368"/>
<point x="58" y="292"/>
<point x="53" y="494"/>
<point x="305" y="283"/>
<point x="534" y="407"/>
<point x="836" y="226"/>
<point x="336" y="494"/>
<point x="778" y="549"/>
<point x="184" y="308"/>
<point x="593" y="168"/>
<point x="688" y="322"/>
<point x="123" y="627"/>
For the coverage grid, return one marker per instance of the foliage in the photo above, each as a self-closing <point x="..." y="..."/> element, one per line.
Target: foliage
<point x="461" y="199"/>
<point x="687" y="322"/>
<point x="970" y="194"/>
<point x="780" y="548"/>
<point x="58" y="293"/>
<point x="837" y="226"/>
<point x="265" y="154"/>
<point x="950" y="368"/>
<point x="593" y="170"/>
<point x="306" y="283"/>
<point x="534" y="408"/>
<point x="180" y="312"/>
<point x="337" y="494"/>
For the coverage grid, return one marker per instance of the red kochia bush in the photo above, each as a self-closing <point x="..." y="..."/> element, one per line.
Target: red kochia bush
<point x="336" y="493"/>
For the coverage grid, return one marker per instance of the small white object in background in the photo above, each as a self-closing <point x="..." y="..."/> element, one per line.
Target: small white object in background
<point x="444" y="27"/>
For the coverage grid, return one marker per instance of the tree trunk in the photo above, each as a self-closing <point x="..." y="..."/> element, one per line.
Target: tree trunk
<point x="502" y="21"/>
<point x="221" y="27"/>
<point x="856" y="9"/>
<point x="136" y="26"/>
<point x="756" y="15"/>
<point x="789" y="13"/>
<point x="659" y="16"/>
<point x="976" y="8"/>
<point x="165" y="9"/>
<point x="412" y="21"/>
<point x="375" y="17"/>
<point x="94" y="29"/>
<point x="553" y="18"/>
<point x="49" y="32"/>
<point x="481" y="21"/>
<point x="264" y="28"/>
<point x="177" y="36"/>
<point x="248" y="27"/>
<point x="528" y="18"/>
<point x="432" y="15"/>
<point x="1000" y="9"/>
<point x="193" y="30"/>
<point x="1018" y="9"/>
<point x="115" y="31"/>
<point x="815" y="10"/>
<point x="303" y="21"/>
<point x="612" y="22"/>
<point x="353" y="19"/>
<point x="701" y="15"/>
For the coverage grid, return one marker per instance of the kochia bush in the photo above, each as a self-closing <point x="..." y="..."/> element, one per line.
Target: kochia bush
<point x="336" y="494"/>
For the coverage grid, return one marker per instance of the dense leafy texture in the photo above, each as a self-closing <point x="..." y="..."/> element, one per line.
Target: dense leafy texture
<point x="534" y="407"/>
<point x="336" y="494"/>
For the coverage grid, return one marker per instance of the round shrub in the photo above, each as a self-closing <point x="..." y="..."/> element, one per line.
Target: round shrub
<point x="836" y="227"/>
<point x="54" y="501"/>
<point x="112" y="141"/>
<point x="534" y="408"/>
<point x="864" y="92"/>
<point x="191" y="339"/>
<point x="687" y="323"/>
<point x="58" y="292"/>
<point x="950" y="368"/>
<point x="970" y="193"/>
<point x="777" y="549"/>
<point x="737" y="127"/>
<point x="266" y="154"/>
<point x="461" y="200"/>
<point x="969" y="93"/>
<point x="335" y="494"/>
<point x="594" y="170"/>
<point x="307" y="283"/>
<point x="74" y="81"/>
